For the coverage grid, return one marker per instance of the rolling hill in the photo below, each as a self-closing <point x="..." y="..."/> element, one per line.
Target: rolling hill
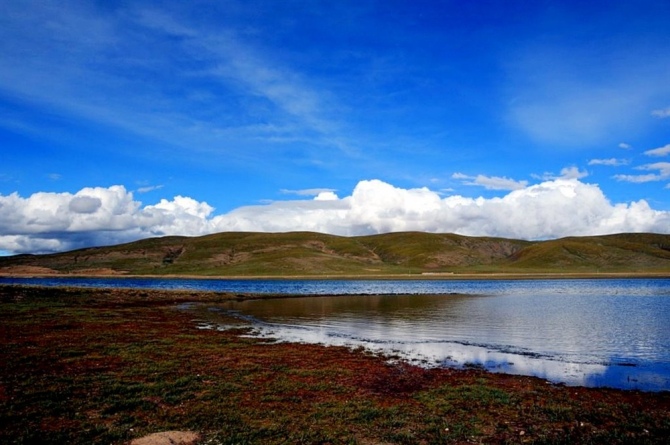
<point x="316" y="254"/>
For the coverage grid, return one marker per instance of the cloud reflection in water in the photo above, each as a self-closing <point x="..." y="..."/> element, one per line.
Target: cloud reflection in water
<point x="571" y="337"/>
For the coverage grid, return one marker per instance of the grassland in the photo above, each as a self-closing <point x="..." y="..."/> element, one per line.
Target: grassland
<point x="86" y="366"/>
<point x="394" y="254"/>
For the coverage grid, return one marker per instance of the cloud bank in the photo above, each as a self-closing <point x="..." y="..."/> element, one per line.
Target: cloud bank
<point x="51" y="222"/>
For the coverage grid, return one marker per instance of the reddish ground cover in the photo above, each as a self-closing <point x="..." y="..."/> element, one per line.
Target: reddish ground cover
<point x="108" y="366"/>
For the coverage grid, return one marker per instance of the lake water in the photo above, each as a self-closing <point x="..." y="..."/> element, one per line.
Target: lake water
<point x="601" y="332"/>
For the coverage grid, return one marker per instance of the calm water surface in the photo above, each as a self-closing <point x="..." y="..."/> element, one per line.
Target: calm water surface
<point x="604" y="332"/>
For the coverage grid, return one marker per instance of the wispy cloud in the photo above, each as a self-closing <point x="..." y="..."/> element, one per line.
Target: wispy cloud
<point x="490" y="182"/>
<point x="611" y="162"/>
<point x="226" y="93"/>
<point x="149" y="188"/>
<point x="661" y="113"/>
<point x="586" y="94"/>
<point x="625" y="146"/>
<point x="662" y="167"/>
<point x="661" y="151"/>
<point x="566" y="173"/>
<point x="638" y="179"/>
<point x="309" y="192"/>
<point x="572" y="173"/>
<point x="301" y="103"/>
<point x="663" y="173"/>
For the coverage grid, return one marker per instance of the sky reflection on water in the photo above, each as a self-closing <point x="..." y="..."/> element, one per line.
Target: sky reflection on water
<point x="577" y="338"/>
<point x="599" y="332"/>
<point x="649" y="376"/>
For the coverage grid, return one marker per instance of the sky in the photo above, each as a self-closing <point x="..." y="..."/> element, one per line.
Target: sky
<point x="121" y="120"/>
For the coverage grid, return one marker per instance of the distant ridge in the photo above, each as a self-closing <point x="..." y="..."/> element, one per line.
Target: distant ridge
<point x="317" y="254"/>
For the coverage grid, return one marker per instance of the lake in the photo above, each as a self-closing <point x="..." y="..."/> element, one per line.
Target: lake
<point x="586" y="332"/>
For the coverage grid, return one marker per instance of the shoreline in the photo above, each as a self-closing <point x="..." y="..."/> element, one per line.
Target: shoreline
<point x="568" y="375"/>
<point x="85" y="365"/>
<point x="363" y="277"/>
<point x="202" y="297"/>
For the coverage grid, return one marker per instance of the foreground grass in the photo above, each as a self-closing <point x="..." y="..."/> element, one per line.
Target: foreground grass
<point x="92" y="366"/>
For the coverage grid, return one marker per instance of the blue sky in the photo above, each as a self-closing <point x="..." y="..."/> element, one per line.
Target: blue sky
<point x="120" y="120"/>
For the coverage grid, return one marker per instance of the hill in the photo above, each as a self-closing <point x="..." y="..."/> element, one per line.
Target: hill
<point x="317" y="254"/>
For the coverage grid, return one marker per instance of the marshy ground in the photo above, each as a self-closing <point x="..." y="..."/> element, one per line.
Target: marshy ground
<point x="83" y="366"/>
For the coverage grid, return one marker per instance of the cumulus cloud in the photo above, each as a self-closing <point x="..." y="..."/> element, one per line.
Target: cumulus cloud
<point x="547" y="210"/>
<point x="490" y="182"/>
<point x="326" y="196"/>
<point x="84" y="204"/>
<point x="49" y="222"/>
<point x="661" y="151"/>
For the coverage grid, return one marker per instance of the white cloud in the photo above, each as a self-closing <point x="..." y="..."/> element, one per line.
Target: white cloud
<point x="663" y="173"/>
<point x="661" y="151"/>
<point x="149" y="188"/>
<point x="490" y="182"/>
<point x="638" y="179"/>
<point x="584" y="95"/>
<point x="566" y="173"/>
<point x="45" y="222"/>
<point x="573" y="173"/>
<point x="551" y="209"/>
<point x="661" y="113"/>
<point x="307" y="192"/>
<point x="662" y="167"/>
<point x="612" y="162"/>
<point x="326" y="196"/>
<point x="280" y="102"/>
<point x="84" y="204"/>
<point x="625" y="146"/>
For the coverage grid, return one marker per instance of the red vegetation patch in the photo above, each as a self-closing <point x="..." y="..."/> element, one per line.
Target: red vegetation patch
<point x="86" y="366"/>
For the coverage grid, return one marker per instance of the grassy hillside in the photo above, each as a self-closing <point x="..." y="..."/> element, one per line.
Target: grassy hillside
<point x="307" y="253"/>
<point x="640" y="252"/>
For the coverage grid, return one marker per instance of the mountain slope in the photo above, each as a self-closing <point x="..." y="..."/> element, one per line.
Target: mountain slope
<point x="308" y="253"/>
<point x="633" y="252"/>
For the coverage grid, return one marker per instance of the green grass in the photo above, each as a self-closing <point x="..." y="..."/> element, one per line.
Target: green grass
<point x="408" y="253"/>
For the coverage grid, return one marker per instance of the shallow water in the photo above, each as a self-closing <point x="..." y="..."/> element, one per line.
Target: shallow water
<point x="603" y="332"/>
